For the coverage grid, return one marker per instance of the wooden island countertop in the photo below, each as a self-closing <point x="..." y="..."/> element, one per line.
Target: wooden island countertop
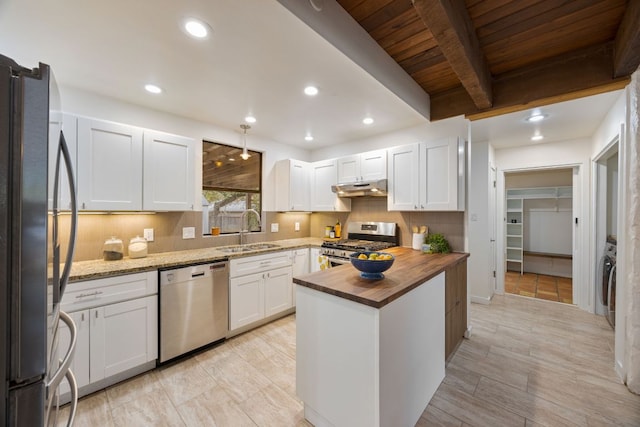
<point x="410" y="269"/>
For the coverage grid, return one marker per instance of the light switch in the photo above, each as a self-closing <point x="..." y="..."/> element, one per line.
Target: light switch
<point x="296" y="226"/>
<point x="188" y="232"/>
<point x="275" y="227"/>
<point x="148" y="234"/>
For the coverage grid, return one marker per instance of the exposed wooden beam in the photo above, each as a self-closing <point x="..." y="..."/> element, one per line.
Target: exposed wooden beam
<point x="450" y="24"/>
<point x="627" y="47"/>
<point x="583" y="73"/>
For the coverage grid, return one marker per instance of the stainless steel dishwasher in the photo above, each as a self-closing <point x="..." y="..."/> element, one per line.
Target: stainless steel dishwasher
<point x="194" y="308"/>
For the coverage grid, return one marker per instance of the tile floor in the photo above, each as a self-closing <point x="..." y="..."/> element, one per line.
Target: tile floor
<point x="528" y="363"/>
<point x="550" y="288"/>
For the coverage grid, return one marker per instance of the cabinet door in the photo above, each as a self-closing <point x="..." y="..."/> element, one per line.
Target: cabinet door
<point x="314" y="263"/>
<point x="373" y="165"/>
<point x="246" y="300"/>
<point x="80" y="362"/>
<point x="277" y="291"/>
<point x="292" y="185"/>
<point x="300" y="262"/>
<point x="123" y="336"/>
<point x="323" y="175"/>
<point x="300" y="266"/>
<point x="299" y="184"/>
<point x="168" y="172"/>
<point x="109" y="166"/>
<point x="68" y="124"/>
<point x="403" y="178"/>
<point x="349" y="169"/>
<point x="439" y="175"/>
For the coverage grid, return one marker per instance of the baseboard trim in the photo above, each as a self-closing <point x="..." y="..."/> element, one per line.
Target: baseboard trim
<point x="481" y="300"/>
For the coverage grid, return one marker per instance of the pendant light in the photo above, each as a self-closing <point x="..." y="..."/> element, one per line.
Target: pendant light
<point x="245" y="155"/>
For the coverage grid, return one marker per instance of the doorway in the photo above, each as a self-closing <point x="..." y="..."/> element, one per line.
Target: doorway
<point x="539" y="234"/>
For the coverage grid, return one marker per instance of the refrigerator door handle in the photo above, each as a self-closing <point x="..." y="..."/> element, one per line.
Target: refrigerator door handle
<point x="56" y="378"/>
<point x="62" y="279"/>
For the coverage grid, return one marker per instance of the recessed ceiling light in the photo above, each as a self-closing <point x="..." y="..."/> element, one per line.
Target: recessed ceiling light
<point x="308" y="138"/>
<point x="536" y="117"/>
<point x="152" y="88"/>
<point x="196" y="29"/>
<point x="311" y="90"/>
<point x="250" y="119"/>
<point x="537" y="137"/>
<point x="367" y="120"/>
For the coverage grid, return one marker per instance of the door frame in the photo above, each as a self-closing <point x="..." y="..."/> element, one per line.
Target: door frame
<point x="580" y="261"/>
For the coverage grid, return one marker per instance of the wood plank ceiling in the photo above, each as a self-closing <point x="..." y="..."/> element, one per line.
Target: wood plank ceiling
<point x="483" y="58"/>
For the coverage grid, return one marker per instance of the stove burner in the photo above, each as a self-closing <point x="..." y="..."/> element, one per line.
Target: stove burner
<point x="353" y="245"/>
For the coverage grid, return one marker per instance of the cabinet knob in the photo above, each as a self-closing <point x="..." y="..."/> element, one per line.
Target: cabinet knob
<point x="415" y="207"/>
<point x="421" y="206"/>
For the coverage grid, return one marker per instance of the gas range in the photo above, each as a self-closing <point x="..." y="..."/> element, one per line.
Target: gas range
<point x="361" y="236"/>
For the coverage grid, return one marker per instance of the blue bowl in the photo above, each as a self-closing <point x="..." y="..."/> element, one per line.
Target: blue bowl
<point x="371" y="269"/>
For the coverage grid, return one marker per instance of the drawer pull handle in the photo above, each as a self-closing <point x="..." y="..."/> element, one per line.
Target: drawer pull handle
<point x="92" y="294"/>
<point x="265" y="262"/>
<point x="198" y="274"/>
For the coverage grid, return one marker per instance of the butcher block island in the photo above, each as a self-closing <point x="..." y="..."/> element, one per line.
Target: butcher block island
<point x="372" y="352"/>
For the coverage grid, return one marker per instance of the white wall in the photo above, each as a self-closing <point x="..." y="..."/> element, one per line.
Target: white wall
<point x="554" y="155"/>
<point x="479" y="284"/>
<point x="601" y="142"/>
<point x="83" y="103"/>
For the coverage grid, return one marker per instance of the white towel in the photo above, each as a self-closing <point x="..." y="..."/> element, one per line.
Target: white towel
<point x="323" y="262"/>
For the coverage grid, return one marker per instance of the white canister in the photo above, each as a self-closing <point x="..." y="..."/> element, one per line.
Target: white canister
<point x="418" y="240"/>
<point x="138" y="247"/>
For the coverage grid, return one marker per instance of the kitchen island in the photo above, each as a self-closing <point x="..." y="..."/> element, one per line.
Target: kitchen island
<point x="371" y="352"/>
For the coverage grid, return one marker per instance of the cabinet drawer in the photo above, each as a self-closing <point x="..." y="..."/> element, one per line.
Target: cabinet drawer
<point x="93" y="293"/>
<point x="259" y="263"/>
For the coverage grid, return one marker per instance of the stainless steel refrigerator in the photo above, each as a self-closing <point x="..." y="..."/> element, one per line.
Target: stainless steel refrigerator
<point x="31" y="364"/>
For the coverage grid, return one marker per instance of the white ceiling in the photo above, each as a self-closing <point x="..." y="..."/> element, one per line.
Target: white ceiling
<point x="257" y="61"/>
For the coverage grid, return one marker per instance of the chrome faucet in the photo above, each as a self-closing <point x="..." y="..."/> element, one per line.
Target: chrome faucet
<point x="243" y="230"/>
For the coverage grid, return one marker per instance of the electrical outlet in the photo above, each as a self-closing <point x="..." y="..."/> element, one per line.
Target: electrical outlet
<point x="148" y="234"/>
<point x="296" y="226"/>
<point x="275" y="227"/>
<point x="188" y="232"/>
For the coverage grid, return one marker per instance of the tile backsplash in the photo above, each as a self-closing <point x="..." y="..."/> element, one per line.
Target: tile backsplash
<point x="94" y="229"/>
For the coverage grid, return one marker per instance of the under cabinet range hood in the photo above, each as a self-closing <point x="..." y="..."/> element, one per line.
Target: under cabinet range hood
<point x="375" y="188"/>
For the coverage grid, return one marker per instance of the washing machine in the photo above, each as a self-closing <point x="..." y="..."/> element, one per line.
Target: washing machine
<point x="607" y="285"/>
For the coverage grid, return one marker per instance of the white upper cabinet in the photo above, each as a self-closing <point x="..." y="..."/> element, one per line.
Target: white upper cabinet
<point x="403" y="187"/>
<point x="367" y="166"/>
<point x="126" y="168"/>
<point x="429" y="176"/>
<point x="442" y="164"/>
<point x="168" y="172"/>
<point x="324" y="174"/>
<point x="109" y="166"/>
<point x="69" y="124"/>
<point x="292" y="185"/>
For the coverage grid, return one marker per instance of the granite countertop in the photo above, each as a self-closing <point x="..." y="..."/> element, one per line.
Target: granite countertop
<point x="95" y="269"/>
<point x="410" y="269"/>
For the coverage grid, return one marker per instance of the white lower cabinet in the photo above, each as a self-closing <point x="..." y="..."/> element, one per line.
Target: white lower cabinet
<point x="117" y="326"/>
<point x="266" y="290"/>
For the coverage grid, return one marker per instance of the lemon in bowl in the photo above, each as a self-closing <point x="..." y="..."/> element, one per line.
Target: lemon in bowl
<point x="371" y="264"/>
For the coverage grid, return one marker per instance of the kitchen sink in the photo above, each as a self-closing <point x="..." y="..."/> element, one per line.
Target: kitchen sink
<point x="247" y="248"/>
<point x="257" y="246"/>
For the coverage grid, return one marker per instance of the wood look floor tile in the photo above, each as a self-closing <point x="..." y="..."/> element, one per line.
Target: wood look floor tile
<point x="92" y="410"/>
<point x="273" y="407"/>
<point x="185" y="380"/>
<point x="529" y="362"/>
<point x="214" y="408"/>
<point x="148" y="410"/>
<point x="133" y="388"/>
<point x="434" y="417"/>
<point x="473" y="411"/>
<point x="529" y="406"/>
